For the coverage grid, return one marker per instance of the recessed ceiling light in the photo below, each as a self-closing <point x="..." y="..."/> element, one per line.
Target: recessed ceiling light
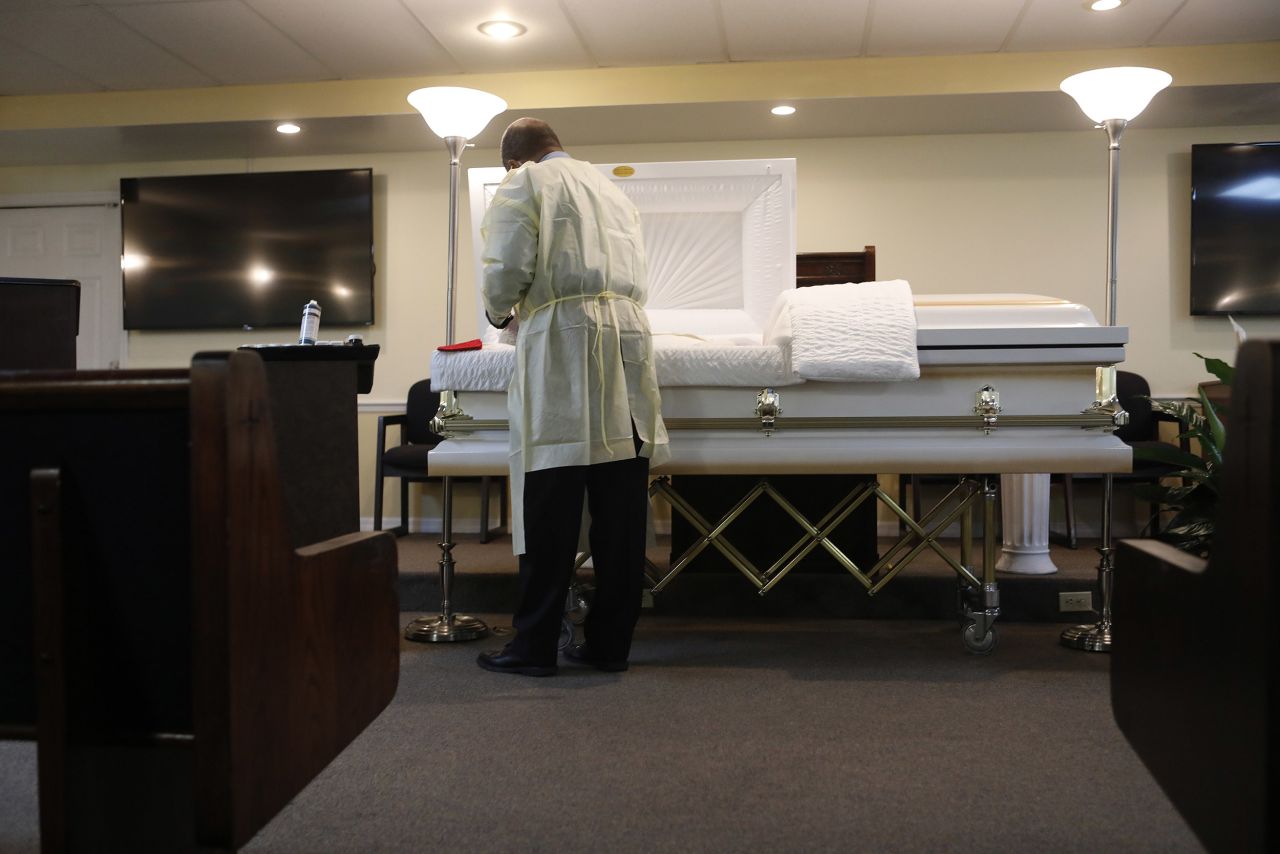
<point x="502" y="30"/>
<point x="288" y="127"/>
<point x="783" y="110"/>
<point x="1103" y="5"/>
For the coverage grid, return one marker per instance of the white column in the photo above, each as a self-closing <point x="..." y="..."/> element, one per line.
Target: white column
<point x="1024" y="502"/>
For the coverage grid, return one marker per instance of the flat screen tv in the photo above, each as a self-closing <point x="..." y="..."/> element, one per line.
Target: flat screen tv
<point x="247" y="250"/>
<point x="1235" y="228"/>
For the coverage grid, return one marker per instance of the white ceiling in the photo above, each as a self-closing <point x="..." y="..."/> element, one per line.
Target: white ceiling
<point x="51" y="47"/>
<point x="59" y="46"/>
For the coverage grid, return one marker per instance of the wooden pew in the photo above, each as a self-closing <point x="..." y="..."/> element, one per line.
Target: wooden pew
<point x="1193" y="669"/>
<point x="210" y="627"/>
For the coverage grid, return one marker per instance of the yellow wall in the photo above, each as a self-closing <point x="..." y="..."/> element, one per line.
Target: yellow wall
<point x="950" y="213"/>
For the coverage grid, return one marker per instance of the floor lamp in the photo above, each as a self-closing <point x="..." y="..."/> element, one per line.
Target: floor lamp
<point x="1111" y="97"/>
<point x="455" y="114"/>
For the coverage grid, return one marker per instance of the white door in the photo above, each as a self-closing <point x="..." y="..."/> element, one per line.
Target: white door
<point x="80" y="242"/>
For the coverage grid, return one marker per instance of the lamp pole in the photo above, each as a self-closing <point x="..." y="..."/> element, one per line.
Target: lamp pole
<point x="1111" y="97"/>
<point x="447" y="110"/>
<point x="447" y="627"/>
<point x="1114" y="128"/>
<point x="1097" y="637"/>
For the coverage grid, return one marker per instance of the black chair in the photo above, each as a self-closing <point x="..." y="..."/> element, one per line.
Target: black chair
<point x="1143" y="430"/>
<point x="409" y="460"/>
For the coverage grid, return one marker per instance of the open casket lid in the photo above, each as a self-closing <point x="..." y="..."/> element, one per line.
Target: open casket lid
<point x="719" y="236"/>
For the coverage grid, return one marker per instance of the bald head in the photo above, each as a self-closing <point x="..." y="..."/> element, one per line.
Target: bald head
<point x="527" y="139"/>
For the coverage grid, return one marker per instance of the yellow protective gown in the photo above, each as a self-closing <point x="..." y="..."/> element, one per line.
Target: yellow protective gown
<point x="562" y="246"/>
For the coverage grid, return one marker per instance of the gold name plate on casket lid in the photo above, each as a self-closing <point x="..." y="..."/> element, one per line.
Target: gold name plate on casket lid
<point x="624" y="171"/>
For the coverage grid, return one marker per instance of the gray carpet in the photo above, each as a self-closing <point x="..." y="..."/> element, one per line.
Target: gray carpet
<point x="731" y="735"/>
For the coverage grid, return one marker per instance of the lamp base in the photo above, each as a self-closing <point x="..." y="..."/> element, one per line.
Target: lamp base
<point x="1095" y="638"/>
<point x="445" y="629"/>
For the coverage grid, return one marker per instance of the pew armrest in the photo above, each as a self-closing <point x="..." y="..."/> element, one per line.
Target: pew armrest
<point x="1188" y="688"/>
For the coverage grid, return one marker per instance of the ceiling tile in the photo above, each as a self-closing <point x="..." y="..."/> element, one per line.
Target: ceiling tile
<point x="766" y="30"/>
<point x="225" y="39"/>
<point x="372" y="38"/>
<point x="96" y="46"/>
<point x="655" y="32"/>
<point x="1212" y="21"/>
<point x="25" y="73"/>
<point x="1058" y="25"/>
<point x="549" y="43"/>
<point x="921" y="27"/>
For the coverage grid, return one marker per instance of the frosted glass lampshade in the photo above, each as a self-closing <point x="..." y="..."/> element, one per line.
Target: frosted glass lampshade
<point x="1115" y="93"/>
<point x="455" y="110"/>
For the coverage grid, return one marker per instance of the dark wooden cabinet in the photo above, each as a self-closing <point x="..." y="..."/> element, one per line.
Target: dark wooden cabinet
<point x="41" y="319"/>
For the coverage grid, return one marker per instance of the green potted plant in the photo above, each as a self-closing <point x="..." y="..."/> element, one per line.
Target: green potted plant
<point x="1194" y="499"/>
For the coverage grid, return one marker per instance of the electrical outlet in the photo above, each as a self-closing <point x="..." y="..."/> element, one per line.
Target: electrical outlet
<point x="1075" y="601"/>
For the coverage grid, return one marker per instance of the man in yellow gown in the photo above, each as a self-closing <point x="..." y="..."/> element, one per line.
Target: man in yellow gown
<point x="563" y="255"/>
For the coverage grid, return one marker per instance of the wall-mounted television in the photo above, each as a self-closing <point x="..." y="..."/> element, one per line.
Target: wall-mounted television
<point x="247" y="250"/>
<point x="1235" y="228"/>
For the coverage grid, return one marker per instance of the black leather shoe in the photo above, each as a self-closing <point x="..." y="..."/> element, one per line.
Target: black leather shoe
<point x="578" y="653"/>
<point x="504" y="662"/>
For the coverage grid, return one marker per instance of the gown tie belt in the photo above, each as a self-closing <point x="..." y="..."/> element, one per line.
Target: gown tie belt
<point x="598" y="302"/>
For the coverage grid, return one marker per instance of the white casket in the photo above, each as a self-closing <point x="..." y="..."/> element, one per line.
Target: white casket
<point x="1008" y="383"/>
<point x="720" y="240"/>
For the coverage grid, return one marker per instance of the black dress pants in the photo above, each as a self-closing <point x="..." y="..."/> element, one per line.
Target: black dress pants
<point x="617" y="495"/>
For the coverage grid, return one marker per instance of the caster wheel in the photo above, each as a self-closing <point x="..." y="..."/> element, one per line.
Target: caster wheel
<point x="976" y="645"/>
